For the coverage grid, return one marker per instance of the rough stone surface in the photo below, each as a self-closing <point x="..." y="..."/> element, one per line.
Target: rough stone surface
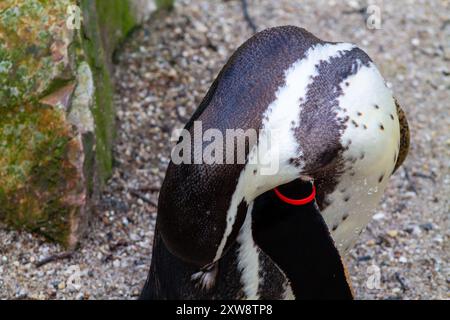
<point x="56" y="110"/>
<point x="33" y="48"/>
<point x="163" y="73"/>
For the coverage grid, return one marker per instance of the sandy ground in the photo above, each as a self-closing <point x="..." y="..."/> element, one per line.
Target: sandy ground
<point x="162" y="74"/>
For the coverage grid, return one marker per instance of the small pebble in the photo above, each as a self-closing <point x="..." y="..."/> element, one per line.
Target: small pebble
<point x="116" y="263"/>
<point x="427" y="226"/>
<point x="379" y="216"/>
<point x="392" y="233"/>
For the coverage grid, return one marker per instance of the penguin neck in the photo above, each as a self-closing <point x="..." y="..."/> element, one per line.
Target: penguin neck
<point x="297" y="239"/>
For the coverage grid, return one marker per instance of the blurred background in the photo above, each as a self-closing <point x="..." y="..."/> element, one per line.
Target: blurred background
<point x="162" y="71"/>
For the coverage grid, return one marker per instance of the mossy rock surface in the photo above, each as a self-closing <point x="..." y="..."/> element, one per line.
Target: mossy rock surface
<point x="42" y="187"/>
<point x="33" y="42"/>
<point x="56" y="110"/>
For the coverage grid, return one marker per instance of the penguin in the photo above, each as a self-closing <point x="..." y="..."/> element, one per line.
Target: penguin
<point x="230" y="231"/>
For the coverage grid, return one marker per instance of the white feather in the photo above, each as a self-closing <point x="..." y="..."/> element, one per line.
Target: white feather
<point x="365" y="89"/>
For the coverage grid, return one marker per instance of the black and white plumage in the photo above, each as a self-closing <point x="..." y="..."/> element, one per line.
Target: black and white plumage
<point x="220" y="232"/>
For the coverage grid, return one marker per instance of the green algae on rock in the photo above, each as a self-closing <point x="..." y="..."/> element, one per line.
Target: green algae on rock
<point x="33" y="40"/>
<point x="56" y="110"/>
<point x="41" y="185"/>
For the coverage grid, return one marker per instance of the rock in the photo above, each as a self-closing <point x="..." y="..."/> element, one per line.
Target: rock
<point x="80" y="296"/>
<point x="364" y="258"/>
<point x="56" y="105"/>
<point x="396" y="290"/>
<point x="415" y="42"/>
<point x="21" y="293"/>
<point x="116" y="264"/>
<point x="392" y="233"/>
<point x="379" y="216"/>
<point x="438" y="239"/>
<point x="427" y="226"/>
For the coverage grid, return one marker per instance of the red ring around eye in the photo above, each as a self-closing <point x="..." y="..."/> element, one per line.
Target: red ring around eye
<point x="297" y="202"/>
